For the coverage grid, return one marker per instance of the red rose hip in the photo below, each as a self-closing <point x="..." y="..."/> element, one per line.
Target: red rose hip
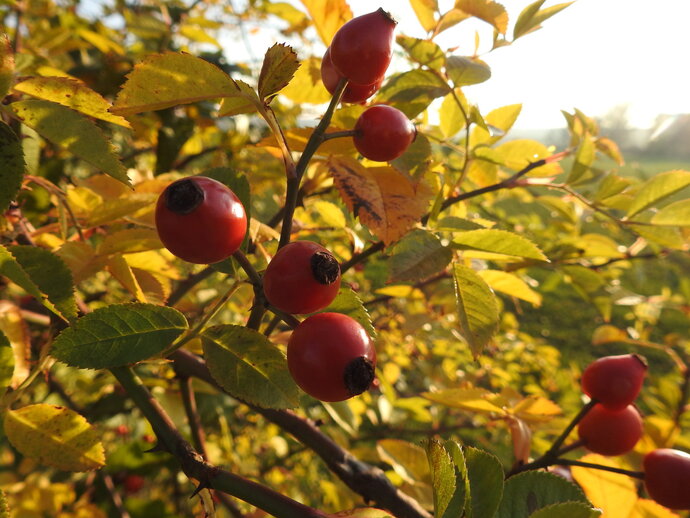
<point x="610" y="432"/>
<point x="362" y="49"/>
<point x="303" y="277"/>
<point x="614" y="381"/>
<point x="331" y="357"/>
<point x="353" y="93"/>
<point x="200" y="220"/>
<point x="383" y="133"/>
<point x="667" y="477"/>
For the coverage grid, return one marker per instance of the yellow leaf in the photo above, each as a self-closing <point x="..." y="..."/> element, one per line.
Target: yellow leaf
<point x="120" y="270"/>
<point x="279" y="66"/>
<point x="383" y="198"/>
<point x="518" y="153"/>
<point x="55" y="436"/>
<point x="13" y="326"/>
<point x="328" y="16"/>
<point x="608" y="333"/>
<point x="6" y="65"/>
<point x="650" y="509"/>
<point x="73" y="94"/>
<point x="402" y="291"/>
<point x="306" y="85"/>
<point x="510" y="284"/>
<point x="472" y="399"/>
<point x="297" y="140"/>
<point x="614" y="494"/>
<point x="491" y="12"/>
<point x="425" y="11"/>
<point x="536" y="409"/>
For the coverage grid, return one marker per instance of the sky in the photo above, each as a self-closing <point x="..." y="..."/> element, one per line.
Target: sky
<point x="594" y="55"/>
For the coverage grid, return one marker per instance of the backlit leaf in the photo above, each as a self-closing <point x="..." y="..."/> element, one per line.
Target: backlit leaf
<point x="6" y="65"/>
<point x="452" y="113"/>
<point x="519" y="153"/>
<point x="645" y="508"/>
<point x="584" y="158"/>
<point x="675" y="214"/>
<point x="532" y="17"/>
<point x="328" y="16"/>
<point x="469" y="399"/>
<point x="12" y="170"/>
<point x="118" y="335"/>
<point x="614" y="494"/>
<point x="424" y="52"/>
<point x="485" y="474"/>
<point x="120" y="270"/>
<point x="245" y="100"/>
<point x="55" y="436"/>
<point x="412" y="92"/>
<point x="362" y="512"/>
<point x="658" y="188"/>
<point x="407" y="459"/>
<point x="6" y="362"/>
<point x="607" y="333"/>
<point x="129" y="241"/>
<point x="171" y="79"/>
<point x="498" y="242"/>
<point x="72" y="94"/>
<point x="16" y="330"/>
<point x="50" y="275"/>
<point x="306" y="85"/>
<point x="477" y="308"/>
<point x="72" y="131"/>
<point x="280" y="64"/>
<point x="425" y="11"/>
<point x="536" y="409"/>
<point x="384" y="199"/>
<point x="246" y="364"/>
<point x="527" y="492"/>
<point x="487" y="10"/>
<point x="511" y="285"/>
<point x="465" y="71"/>
<point x="460" y="497"/>
<point x="417" y="256"/>
<point x="442" y="475"/>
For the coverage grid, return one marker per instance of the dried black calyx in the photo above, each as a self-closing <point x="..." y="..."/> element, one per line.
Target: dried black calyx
<point x="359" y="374"/>
<point x="183" y="196"/>
<point x="325" y="267"/>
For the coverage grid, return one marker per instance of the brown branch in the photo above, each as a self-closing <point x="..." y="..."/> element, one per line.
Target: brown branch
<point x="186" y="285"/>
<point x="366" y="480"/>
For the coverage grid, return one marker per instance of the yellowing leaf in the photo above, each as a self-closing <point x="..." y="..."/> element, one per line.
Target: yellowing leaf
<point x="73" y="94"/>
<point x="306" y="85"/>
<point x="328" y="16"/>
<point x="608" y="333"/>
<point x="120" y="270"/>
<point x="614" y="494"/>
<point x="511" y="285"/>
<point x="170" y="79"/>
<point x="477" y="308"/>
<point x="498" y="242"/>
<point x="645" y="508"/>
<point x="408" y="459"/>
<point x="280" y="64"/>
<point x="536" y="409"/>
<point x="6" y="65"/>
<point x="491" y="12"/>
<point x="55" y="436"/>
<point x="657" y="188"/>
<point x="297" y="139"/>
<point x="384" y="199"/>
<point x="72" y="131"/>
<point x="471" y="399"/>
<point x="675" y="214"/>
<point x="244" y="101"/>
<point x="16" y="331"/>
<point x="519" y="153"/>
<point x="425" y="11"/>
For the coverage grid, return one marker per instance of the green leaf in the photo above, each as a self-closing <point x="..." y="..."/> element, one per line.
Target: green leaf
<point x="118" y="335"/>
<point x="245" y="100"/>
<point x="485" y="474"/>
<point x="6" y="362"/>
<point x="569" y="509"/>
<point x="12" y="170"/>
<point x="425" y="11"/>
<point x="171" y="79"/>
<point x="72" y="94"/>
<point x="610" y="186"/>
<point x="489" y="11"/>
<point x="675" y="214"/>
<point x="10" y="268"/>
<point x="423" y="52"/>
<point x="477" y="308"/>
<point x="412" y="92"/>
<point x="55" y="436"/>
<point x="6" y="65"/>
<point x="473" y="399"/>
<point x="417" y="256"/>
<point x="246" y="364"/>
<point x="442" y="475"/>
<point x="658" y="188"/>
<point x="465" y="71"/>
<point x="51" y="275"/>
<point x="532" y="490"/>
<point x="74" y="132"/>
<point x="280" y="64"/>
<point x="584" y="158"/>
<point x="457" y="504"/>
<point x="349" y="303"/>
<point x="531" y="18"/>
<point x="498" y="242"/>
<point x="498" y="122"/>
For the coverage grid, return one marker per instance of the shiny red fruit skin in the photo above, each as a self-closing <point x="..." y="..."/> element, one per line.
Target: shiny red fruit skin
<point x="209" y="233"/>
<point x="362" y="49"/>
<point x="610" y="432"/>
<point x="614" y="381"/>
<point x="353" y="93"/>
<point x="290" y="283"/>
<point x="319" y="350"/>
<point x="667" y="477"/>
<point x="383" y="133"/>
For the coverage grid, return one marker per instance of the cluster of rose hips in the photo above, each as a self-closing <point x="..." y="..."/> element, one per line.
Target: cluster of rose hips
<point x="330" y="355"/>
<point x="613" y="426"/>
<point x="360" y="52"/>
